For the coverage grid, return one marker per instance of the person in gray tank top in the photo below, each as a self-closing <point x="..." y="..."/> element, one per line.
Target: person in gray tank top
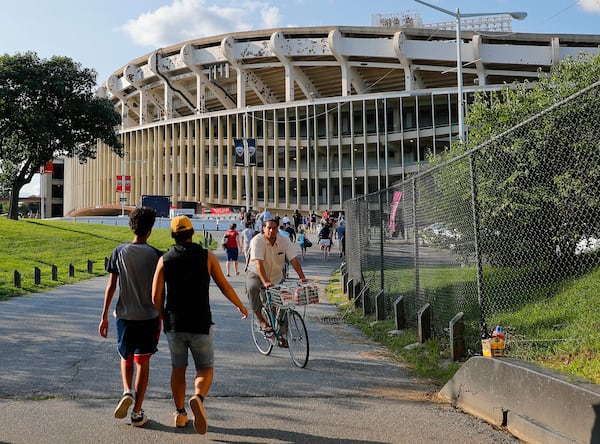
<point x="131" y="267"/>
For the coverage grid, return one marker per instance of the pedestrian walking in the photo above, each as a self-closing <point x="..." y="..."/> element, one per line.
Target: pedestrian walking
<point x="232" y="248"/>
<point x="131" y="269"/>
<point x="185" y="311"/>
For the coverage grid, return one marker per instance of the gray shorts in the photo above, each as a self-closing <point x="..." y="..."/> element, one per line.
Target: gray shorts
<point x="201" y="346"/>
<point x="253" y="288"/>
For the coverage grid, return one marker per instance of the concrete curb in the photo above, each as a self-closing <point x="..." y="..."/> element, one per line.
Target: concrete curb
<point x="534" y="403"/>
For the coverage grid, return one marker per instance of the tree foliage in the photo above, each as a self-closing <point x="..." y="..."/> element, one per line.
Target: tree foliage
<point x="537" y="164"/>
<point x="48" y="109"/>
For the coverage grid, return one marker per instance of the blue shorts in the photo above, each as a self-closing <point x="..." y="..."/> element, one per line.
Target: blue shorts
<point x="137" y="337"/>
<point x="232" y="253"/>
<point x="201" y="346"/>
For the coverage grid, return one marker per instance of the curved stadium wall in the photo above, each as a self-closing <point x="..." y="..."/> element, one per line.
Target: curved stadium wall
<point x="336" y="112"/>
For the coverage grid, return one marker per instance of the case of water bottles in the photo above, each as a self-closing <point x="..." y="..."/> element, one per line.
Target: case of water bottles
<point x="290" y="294"/>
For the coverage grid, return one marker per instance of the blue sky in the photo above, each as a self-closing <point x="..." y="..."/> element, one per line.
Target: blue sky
<point x="105" y="35"/>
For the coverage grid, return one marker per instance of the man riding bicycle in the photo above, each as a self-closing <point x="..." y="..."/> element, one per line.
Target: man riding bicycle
<point x="268" y="252"/>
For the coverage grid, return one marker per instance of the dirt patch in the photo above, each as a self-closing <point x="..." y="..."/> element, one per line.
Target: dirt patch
<point x="413" y="394"/>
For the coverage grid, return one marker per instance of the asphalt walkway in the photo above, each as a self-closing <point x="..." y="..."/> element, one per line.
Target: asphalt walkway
<point x="60" y="381"/>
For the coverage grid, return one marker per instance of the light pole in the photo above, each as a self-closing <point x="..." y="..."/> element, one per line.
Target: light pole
<point x="246" y="161"/>
<point x="457" y="15"/>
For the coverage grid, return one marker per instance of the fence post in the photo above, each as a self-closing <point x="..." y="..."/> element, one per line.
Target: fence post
<point x="475" y="203"/>
<point x="457" y="337"/>
<point x="71" y="271"/>
<point x="37" y="276"/>
<point x="54" y="273"/>
<point x="17" y="279"/>
<point x="400" y="313"/>
<point x="415" y="240"/>
<point x="90" y="266"/>
<point x="381" y="242"/>
<point x="380" y="306"/>
<point x="424" y="325"/>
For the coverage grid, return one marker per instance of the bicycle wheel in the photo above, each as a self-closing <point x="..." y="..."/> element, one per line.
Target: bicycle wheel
<point x="297" y="338"/>
<point x="263" y="344"/>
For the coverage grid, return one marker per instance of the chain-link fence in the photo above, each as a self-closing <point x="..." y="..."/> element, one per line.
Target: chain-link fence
<point x="510" y="222"/>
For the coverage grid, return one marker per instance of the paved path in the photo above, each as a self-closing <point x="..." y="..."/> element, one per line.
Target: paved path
<point x="60" y="381"/>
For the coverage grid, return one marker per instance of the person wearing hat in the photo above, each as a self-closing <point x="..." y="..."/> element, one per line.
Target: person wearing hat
<point x="131" y="269"/>
<point x="185" y="311"/>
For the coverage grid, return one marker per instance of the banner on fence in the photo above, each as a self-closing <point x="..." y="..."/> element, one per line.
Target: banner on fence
<point x="395" y="201"/>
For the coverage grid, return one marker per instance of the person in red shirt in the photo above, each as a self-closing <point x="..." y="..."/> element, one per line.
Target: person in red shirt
<point x="232" y="248"/>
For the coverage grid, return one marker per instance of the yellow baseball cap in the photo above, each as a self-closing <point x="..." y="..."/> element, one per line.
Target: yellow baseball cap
<point x="181" y="223"/>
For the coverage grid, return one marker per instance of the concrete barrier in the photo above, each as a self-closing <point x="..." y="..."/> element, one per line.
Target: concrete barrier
<point x="534" y="403"/>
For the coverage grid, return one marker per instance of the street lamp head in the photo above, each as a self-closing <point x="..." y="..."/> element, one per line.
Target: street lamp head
<point x="518" y="15"/>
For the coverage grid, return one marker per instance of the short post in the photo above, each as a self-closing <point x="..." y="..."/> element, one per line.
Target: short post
<point x="424" y="323"/>
<point x="90" y="266"/>
<point x="17" y="279"/>
<point x="400" y="313"/>
<point x="37" y="276"/>
<point x="350" y="289"/>
<point x="54" y="272"/>
<point x="457" y="337"/>
<point x="366" y="301"/>
<point x="357" y="295"/>
<point x="380" y="306"/>
<point x="71" y="271"/>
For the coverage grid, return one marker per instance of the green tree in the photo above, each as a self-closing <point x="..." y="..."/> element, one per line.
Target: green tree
<point x="537" y="164"/>
<point x="48" y="109"/>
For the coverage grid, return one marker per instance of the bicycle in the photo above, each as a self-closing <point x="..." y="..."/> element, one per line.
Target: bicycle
<point x="287" y="324"/>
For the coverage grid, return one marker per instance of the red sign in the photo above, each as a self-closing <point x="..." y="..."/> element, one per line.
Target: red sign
<point x="216" y="210"/>
<point x="119" y="188"/>
<point x="48" y="168"/>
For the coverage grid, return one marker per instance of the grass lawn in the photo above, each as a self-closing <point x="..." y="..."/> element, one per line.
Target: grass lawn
<point x="29" y="243"/>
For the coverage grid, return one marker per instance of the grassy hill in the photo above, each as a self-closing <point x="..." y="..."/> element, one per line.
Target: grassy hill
<point x="29" y="243"/>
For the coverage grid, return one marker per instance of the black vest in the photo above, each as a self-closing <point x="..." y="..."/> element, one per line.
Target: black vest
<point x="187" y="283"/>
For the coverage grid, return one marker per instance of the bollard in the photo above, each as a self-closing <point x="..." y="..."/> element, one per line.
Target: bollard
<point x="17" y="279"/>
<point x="54" y="272"/>
<point x="458" y="347"/>
<point x="350" y="289"/>
<point x="71" y="271"/>
<point x="380" y="306"/>
<point x="90" y="266"/>
<point x="365" y="301"/>
<point x="37" y="276"/>
<point x="400" y="313"/>
<point x="424" y="320"/>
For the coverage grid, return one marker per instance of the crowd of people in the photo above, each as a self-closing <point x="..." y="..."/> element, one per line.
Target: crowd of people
<point x="154" y="289"/>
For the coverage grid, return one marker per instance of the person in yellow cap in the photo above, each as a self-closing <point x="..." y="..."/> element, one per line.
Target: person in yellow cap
<point x="185" y="311"/>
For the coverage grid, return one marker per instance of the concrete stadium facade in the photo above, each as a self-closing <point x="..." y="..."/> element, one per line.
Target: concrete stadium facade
<point x="336" y="112"/>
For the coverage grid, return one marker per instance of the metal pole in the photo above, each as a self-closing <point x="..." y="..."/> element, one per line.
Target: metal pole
<point x="246" y="162"/>
<point x="459" y="79"/>
<point x="42" y="194"/>
<point x="123" y="185"/>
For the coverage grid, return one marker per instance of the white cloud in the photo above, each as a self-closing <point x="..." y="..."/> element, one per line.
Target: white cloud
<point x="590" y="5"/>
<point x="190" y="19"/>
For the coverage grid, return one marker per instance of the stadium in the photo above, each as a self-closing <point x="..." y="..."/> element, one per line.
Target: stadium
<point x="333" y="113"/>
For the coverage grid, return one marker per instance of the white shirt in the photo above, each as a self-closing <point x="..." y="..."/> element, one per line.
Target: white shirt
<point x="273" y="256"/>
